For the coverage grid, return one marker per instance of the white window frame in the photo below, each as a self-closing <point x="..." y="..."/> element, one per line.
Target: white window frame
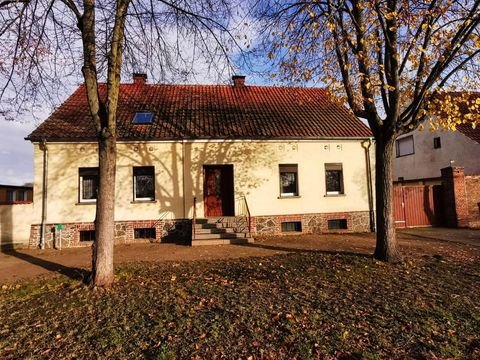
<point x="334" y="167"/>
<point x="135" y="198"/>
<point x="289" y="194"/>
<point x="404" y="139"/>
<point x="80" y="185"/>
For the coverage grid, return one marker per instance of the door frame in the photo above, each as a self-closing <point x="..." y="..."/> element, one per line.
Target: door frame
<point x="228" y="200"/>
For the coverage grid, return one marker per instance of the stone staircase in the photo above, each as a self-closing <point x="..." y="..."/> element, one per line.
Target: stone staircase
<point x="221" y="230"/>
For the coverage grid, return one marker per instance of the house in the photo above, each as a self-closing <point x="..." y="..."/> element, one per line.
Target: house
<point x="240" y="160"/>
<point x="437" y="174"/>
<point x="421" y="154"/>
<point x="14" y="194"/>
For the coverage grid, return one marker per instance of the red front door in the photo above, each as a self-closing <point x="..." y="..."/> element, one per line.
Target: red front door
<point x="218" y="190"/>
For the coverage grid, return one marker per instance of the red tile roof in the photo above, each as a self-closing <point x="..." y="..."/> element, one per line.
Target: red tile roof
<point x="470" y="132"/>
<point x="210" y="112"/>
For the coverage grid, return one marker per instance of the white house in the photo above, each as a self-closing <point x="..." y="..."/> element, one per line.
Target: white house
<point x="243" y="160"/>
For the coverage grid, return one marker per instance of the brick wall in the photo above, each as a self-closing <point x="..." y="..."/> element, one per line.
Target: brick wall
<point x="472" y="185"/>
<point x="178" y="230"/>
<point x="357" y="221"/>
<point x="454" y="197"/>
<point x="461" y="198"/>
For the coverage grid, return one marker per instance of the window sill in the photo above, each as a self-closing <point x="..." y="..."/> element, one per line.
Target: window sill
<point x="86" y="203"/>
<point x="289" y="197"/>
<point x="142" y="201"/>
<point x="334" y="195"/>
<point x="400" y="156"/>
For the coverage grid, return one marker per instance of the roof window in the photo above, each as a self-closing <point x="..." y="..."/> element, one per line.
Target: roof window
<point x="143" y="118"/>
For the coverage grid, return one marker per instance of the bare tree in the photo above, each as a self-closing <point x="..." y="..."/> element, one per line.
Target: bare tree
<point x="390" y="60"/>
<point x="41" y="42"/>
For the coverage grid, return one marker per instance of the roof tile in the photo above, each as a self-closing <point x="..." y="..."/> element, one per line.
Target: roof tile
<point x="209" y="112"/>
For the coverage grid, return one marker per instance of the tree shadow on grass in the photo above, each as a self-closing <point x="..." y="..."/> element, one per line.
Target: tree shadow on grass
<point x="73" y="273"/>
<point x="302" y="250"/>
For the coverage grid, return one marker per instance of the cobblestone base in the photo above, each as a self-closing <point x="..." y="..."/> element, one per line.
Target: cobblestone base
<point x="178" y="231"/>
<point x="357" y="221"/>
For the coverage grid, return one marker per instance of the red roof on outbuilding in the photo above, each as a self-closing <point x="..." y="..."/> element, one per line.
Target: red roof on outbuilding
<point x="209" y="112"/>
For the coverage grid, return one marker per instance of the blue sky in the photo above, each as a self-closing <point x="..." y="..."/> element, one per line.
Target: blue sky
<point x="16" y="154"/>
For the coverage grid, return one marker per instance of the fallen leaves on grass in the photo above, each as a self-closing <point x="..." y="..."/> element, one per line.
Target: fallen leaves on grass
<point x="305" y="305"/>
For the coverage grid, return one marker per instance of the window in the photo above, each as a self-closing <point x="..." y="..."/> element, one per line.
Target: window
<point x="289" y="180"/>
<point x="87" y="235"/>
<point x="21" y="195"/>
<point x="88" y="184"/>
<point x="143" y="118"/>
<point x="405" y="146"/>
<point x="291" y="226"/>
<point x="437" y="143"/>
<point x="337" y="224"/>
<point x="10" y="195"/>
<point x="144" y="183"/>
<point x="144" y="233"/>
<point x="334" y="179"/>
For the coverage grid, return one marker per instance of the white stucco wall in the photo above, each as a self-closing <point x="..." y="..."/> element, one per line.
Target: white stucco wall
<point x="15" y="221"/>
<point x="426" y="162"/>
<point x="256" y="176"/>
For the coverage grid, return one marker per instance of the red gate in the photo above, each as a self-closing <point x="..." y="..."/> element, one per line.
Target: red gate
<point x="416" y="206"/>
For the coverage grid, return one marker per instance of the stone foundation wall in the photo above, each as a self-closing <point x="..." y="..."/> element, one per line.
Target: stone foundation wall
<point x="357" y="221"/>
<point x="178" y="231"/>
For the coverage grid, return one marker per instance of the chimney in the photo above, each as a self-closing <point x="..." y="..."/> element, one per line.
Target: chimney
<point x="238" y="81"/>
<point x="139" y="78"/>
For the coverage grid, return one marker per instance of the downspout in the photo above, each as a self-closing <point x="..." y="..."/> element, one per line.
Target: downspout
<point x="43" y="147"/>
<point x="366" y="145"/>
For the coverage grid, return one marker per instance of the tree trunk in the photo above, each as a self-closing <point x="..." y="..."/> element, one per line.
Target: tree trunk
<point x="102" y="249"/>
<point x="386" y="246"/>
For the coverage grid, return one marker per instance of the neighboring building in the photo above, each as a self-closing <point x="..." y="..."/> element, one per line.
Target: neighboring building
<point x="447" y="164"/>
<point x="421" y="154"/>
<point x="16" y="211"/>
<point x="281" y="159"/>
<point x="13" y="194"/>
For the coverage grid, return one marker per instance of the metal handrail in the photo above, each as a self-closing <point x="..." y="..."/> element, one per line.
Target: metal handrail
<point x="249" y="218"/>
<point x="194" y="219"/>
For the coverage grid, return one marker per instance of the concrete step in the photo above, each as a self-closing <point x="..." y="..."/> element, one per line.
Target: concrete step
<point x="220" y="226"/>
<point x="201" y="242"/>
<point x="216" y="219"/>
<point x="221" y="230"/>
<point x="206" y="236"/>
<point x="214" y="230"/>
<point x="220" y="220"/>
<point x="210" y="226"/>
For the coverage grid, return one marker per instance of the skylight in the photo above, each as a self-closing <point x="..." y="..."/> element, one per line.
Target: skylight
<point x="143" y="118"/>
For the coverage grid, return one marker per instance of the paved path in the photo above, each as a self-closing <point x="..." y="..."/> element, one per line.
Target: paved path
<point x="463" y="236"/>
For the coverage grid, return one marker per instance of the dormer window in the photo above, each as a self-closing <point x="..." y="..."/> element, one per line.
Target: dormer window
<point x="143" y="118"/>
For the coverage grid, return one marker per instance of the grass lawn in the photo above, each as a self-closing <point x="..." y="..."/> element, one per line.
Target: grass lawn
<point x="300" y="305"/>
